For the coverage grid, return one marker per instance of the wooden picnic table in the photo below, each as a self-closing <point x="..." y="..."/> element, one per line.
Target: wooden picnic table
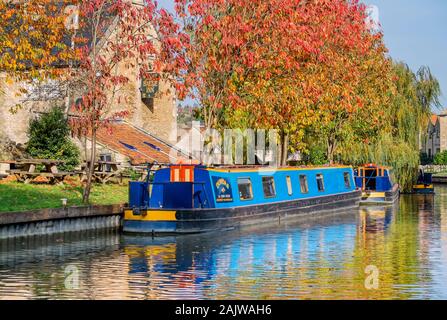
<point x="26" y="170"/>
<point x="104" y="171"/>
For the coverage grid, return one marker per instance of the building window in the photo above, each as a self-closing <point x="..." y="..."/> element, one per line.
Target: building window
<point x="347" y="178"/>
<point x="289" y="185"/>
<point x="268" y="185"/>
<point x="303" y="184"/>
<point x="245" y="189"/>
<point x="320" y="182"/>
<point x="105" y="158"/>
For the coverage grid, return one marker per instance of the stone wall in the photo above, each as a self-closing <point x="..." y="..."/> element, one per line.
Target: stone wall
<point x="431" y="140"/>
<point x="60" y="220"/>
<point x="159" y="118"/>
<point x="443" y="132"/>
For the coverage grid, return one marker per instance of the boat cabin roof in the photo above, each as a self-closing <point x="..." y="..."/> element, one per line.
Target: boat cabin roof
<point x="251" y="168"/>
<point x="372" y="166"/>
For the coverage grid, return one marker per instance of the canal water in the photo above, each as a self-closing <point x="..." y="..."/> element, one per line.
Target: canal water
<point x="373" y="253"/>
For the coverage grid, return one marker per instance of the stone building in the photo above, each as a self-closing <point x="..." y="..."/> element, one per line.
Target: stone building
<point x="153" y="112"/>
<point x="435" y="140"/>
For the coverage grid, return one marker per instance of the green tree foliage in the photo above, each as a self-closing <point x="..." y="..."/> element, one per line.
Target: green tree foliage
<point x="397" y="143"/>
<point x="49" y="138"/>
<point x="440" y="158"/>
<point x="316" y="156"/>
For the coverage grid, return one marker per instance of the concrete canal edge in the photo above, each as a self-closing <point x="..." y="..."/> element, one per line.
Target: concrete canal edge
<point x="60" y="220"/>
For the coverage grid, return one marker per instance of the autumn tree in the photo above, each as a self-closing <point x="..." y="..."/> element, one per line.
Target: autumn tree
<point x="92" y="49"/>
<point x="32" y="35"/>
<point x="282" y="64"/>
<point x="120" y="39"/>
<point x="356" y="88"/>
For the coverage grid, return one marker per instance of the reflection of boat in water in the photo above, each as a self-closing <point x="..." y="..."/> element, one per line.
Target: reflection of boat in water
<point x="194" y="199"/>
<point x="376" y="218"/>
<point x="209" y="255"/>
<point x="376" y="184"/>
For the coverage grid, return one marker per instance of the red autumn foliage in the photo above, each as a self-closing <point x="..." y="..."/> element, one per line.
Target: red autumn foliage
<point x="117" y="39"/>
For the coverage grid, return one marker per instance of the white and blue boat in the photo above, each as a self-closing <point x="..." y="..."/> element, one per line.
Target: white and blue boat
<point x="193" y="198"/>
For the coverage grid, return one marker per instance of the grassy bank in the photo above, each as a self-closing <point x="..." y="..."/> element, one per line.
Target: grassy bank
<point x="22" y="197"/>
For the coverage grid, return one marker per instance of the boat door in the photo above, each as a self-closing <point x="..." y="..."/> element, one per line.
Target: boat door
<point x="370" y="178"/>
<point x="179" y="192"/>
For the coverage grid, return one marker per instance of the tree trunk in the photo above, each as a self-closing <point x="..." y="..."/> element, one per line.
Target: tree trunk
<point x="91" y="168"/>
<point x="331" y="150"/>
<point x="284" y="149"/>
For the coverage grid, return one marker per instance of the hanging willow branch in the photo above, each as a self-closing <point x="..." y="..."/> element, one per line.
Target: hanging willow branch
<point x="397" y="144"/>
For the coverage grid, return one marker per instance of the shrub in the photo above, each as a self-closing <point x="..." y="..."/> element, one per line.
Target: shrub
<point x="316" y="155"/>
<point x="440" y="158"/>
<point x="49" y="138"/>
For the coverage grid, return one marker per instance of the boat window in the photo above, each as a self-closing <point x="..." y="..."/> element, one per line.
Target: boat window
<point x="320" y="182"/>
<point x="188" y="175"/>
<point x="289" y="185"/>
<point x="347" y="177"/>
<point x="245" y="189"/>
<point x="176" y="175"/>
<point x="268" y="185"/>
<point x="303" y="184"/>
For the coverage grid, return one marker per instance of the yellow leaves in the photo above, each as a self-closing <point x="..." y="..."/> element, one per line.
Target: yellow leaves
<point x="33" y="33"/>
<point x="9" y="80"/>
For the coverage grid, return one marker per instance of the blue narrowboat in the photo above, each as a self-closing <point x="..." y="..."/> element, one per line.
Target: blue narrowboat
<point x="194" y="198"/>
<point x="376" y="183"/>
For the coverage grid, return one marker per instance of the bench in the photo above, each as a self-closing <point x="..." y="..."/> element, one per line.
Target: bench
<point x="27" y="177"/>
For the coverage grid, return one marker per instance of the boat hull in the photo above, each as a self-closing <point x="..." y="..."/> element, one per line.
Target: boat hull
<point x="423" y="189"/>
<point x="381" y="198"/>
<point x="184" y="221"/>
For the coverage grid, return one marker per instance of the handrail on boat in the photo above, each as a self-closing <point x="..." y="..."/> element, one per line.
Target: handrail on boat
<point x="169" y="182"/>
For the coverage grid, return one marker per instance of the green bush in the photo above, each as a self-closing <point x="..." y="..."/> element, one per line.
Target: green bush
<point x="440" y="158"/>
<point x="316" y="155"/>
<point x="49" y="138"/>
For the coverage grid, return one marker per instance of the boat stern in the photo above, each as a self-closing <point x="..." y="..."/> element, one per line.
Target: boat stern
<point x="149" y="221"/>
<point x="423" y="189"/>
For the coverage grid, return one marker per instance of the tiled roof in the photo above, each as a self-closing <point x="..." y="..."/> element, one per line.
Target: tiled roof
<point x="139" y="146"/>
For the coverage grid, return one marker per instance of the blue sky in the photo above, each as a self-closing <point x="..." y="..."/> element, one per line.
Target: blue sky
<point x="415" y="32"/>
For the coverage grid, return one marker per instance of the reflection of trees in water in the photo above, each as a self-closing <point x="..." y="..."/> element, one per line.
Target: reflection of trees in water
<point x="397" y="242"/>
<point x="296" y="263"/>
<point x="321" y="258"/>
<point x="35" y="267"/>
<point x="400" y="252"/>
